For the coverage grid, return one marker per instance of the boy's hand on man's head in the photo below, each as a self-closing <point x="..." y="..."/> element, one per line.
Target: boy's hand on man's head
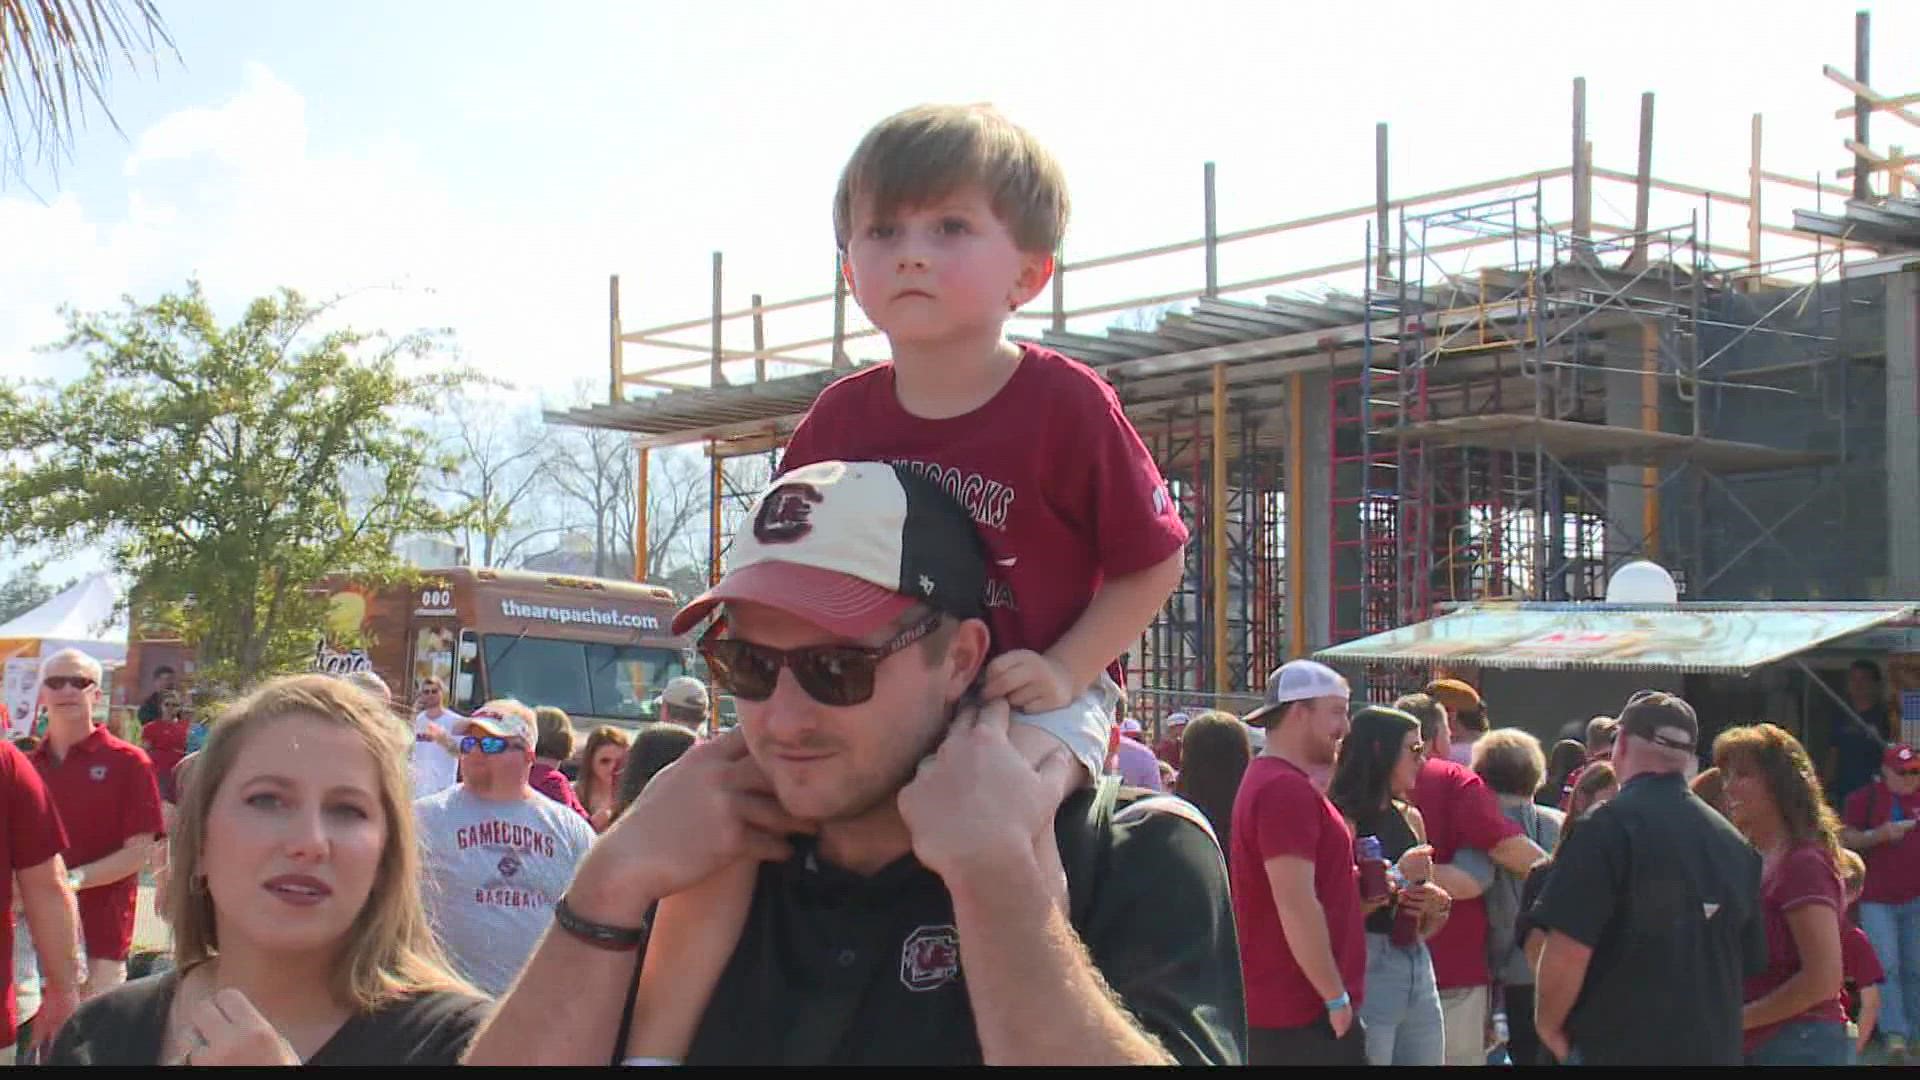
<point x="1029" y="681"/>
<point x="976" y="805"/>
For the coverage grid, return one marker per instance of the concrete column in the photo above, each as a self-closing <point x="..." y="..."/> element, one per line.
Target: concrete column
<point x="1903" y="433"/>
<point x="1626" y="487"/>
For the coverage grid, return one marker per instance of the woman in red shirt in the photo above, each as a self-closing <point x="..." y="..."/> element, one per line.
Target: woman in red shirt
<point x="1794" y="1013"/>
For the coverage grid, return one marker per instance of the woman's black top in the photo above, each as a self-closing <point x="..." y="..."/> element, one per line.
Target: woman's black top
<point x="126" y="1026"/>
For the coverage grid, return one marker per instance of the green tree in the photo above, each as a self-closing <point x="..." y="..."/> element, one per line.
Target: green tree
<point x="25" y="591"/>
<point x="227" y="470"/>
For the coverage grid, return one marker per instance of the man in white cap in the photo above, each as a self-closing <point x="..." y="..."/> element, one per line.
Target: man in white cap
<point x="498" y="853"/>
<point x="1169" y="748"/>
<point x="1296" y="894"/>
<point x="684" y="701"/>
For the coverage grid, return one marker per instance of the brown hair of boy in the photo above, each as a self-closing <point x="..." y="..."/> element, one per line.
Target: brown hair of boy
<point x="929" y="152"/>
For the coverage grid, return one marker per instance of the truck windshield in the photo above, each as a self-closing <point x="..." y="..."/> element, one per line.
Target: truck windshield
<point x="584" y="679"/>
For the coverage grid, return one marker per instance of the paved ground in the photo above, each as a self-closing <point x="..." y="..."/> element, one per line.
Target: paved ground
<point x="148" y="931"/>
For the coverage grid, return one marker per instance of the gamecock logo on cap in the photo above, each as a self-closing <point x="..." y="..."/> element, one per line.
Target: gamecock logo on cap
<point x="930" y="959"/>
<point x="786" y="514"/>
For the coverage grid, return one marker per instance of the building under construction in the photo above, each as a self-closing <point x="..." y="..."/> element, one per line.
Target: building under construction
<point x="1494" y="393"/>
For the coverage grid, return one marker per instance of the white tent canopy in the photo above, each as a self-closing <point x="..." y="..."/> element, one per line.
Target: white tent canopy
<point x="85" y="617"/>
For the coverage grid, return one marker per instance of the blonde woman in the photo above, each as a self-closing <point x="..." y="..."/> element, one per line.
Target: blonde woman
<point x="300" y="934"/>
<point x="600" y="765"/>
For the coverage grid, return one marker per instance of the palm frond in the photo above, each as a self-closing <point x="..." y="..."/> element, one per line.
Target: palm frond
<point x="55" y="58"/>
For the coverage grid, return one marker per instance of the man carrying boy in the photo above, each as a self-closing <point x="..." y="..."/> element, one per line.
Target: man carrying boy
<point x="947" y="218"/>
<point x="899" y="915"/>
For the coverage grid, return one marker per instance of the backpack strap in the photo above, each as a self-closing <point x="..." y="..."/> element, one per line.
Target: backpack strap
<point x="1083" y="856"/>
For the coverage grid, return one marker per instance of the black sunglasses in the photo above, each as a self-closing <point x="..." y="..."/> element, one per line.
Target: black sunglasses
<point x="62" y="682"/>
<point x="488" y="744"/>
<point x="833" y="675"/>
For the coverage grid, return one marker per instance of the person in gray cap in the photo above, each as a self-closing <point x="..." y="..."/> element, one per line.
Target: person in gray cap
<point x="1653" y="913"/>
<point x="684" y="701"/>
<point x="1296" y="894"/>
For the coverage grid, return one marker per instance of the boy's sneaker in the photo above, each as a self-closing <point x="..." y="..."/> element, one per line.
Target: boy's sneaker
<point x="1896" y="1050"/>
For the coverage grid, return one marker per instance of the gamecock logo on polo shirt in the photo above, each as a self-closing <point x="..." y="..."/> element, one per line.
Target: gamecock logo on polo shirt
<point x="930" y="959"/>
<point x="97" y="773"/>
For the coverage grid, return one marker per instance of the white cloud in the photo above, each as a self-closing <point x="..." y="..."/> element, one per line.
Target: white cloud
<point x="237" y="194"/>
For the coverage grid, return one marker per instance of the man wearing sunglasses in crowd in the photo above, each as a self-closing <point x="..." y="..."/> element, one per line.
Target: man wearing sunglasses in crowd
<point x="109" y="801"/>
<point x="498" y="853"/>
<point x="899" y="915"/>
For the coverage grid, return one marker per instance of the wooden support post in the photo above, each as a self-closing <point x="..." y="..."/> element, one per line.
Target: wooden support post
<point x="1643" y="185"/>
<point x="759" y="342"/>
<point x="1754" y="176"/>
<point x="1582" y="168"/>
<point x="616" y="363"/>
<point x="1385" y="269"/>
<point x="1217" y="509"/>
<point x="717" y="374"/>
<point x="1296" y="516"/>
<point x="1897" y="174"/>
<point x="643" y="458"/>
<point x="719" y="466"/>
<point x="1650" y="421"/>
<point x="840" y="361"/>
<point x="1862" y="178"/>
<point x="1212" y="235"/>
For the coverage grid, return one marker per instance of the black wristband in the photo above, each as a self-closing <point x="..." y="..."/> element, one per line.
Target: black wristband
<point x="599" y="935"/>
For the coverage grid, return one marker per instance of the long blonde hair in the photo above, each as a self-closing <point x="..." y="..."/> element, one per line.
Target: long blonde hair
<point x="604" y="735"/>
<point x="389" y="951"/>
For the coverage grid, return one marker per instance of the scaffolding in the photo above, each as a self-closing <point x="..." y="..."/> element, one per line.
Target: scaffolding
<point x="1504" y="396"/>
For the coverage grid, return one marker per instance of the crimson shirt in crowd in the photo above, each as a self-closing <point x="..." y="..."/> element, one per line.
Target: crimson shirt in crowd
<point x="1279" y="812"/>
<point x="1462" y="813"/>
<point x="1804" y="875"/>
<point x="1893" y="870"/>
<point x="166" y="743"/>
<point x="1169" y="751"/>
<point x="1061" y="488"/>
<point x="106" y="793"/>
<point x="1859" y="965"/>
<point x="554" y="784"/>
<point x="32" y="836"/>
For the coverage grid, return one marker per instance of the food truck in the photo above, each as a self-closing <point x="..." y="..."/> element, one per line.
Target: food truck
<point x="599" y="649"/>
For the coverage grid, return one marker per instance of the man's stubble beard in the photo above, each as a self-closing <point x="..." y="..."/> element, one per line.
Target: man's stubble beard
<point x="881" y="795"/>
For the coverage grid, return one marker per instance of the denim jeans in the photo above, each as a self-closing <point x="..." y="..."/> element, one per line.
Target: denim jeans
<point x="1894" y="930"/>
<point x="1402" y="1006"/>
<point x="1805" y="1042"/>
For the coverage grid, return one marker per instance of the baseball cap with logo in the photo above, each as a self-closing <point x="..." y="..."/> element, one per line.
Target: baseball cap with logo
<point x="1901" y="759"/>
<point x="851" y="547"/>
<point x="686" y="692"/>
<point x="508" y="720"/>
<point x="1297" y="680"/>
<point x="1130" y="726"/>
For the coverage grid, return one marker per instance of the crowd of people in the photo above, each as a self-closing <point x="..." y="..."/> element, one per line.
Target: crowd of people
<point x="934" y="835"/>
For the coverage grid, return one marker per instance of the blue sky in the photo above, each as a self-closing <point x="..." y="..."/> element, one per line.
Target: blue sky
<point x="485" y="166"/>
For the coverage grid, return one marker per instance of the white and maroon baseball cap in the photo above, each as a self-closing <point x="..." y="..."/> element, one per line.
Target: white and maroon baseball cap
<point x="851" y="546"/>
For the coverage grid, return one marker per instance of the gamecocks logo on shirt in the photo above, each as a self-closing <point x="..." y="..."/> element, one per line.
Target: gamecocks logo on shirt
<point x="509" y="865"/>
<point x="786" y="514"/>
<point x="930" y="959"/>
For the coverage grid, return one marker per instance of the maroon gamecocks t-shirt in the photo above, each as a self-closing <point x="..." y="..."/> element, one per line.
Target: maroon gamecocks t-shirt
<point x="1059" y="483"/>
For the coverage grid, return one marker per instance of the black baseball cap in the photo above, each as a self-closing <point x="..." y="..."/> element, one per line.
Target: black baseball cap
<point x="1661" y="718"/>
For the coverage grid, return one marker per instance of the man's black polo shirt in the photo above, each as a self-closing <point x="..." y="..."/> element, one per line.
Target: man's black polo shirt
<point x="1667" y="894"/>
<point x="837" y="969"/>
